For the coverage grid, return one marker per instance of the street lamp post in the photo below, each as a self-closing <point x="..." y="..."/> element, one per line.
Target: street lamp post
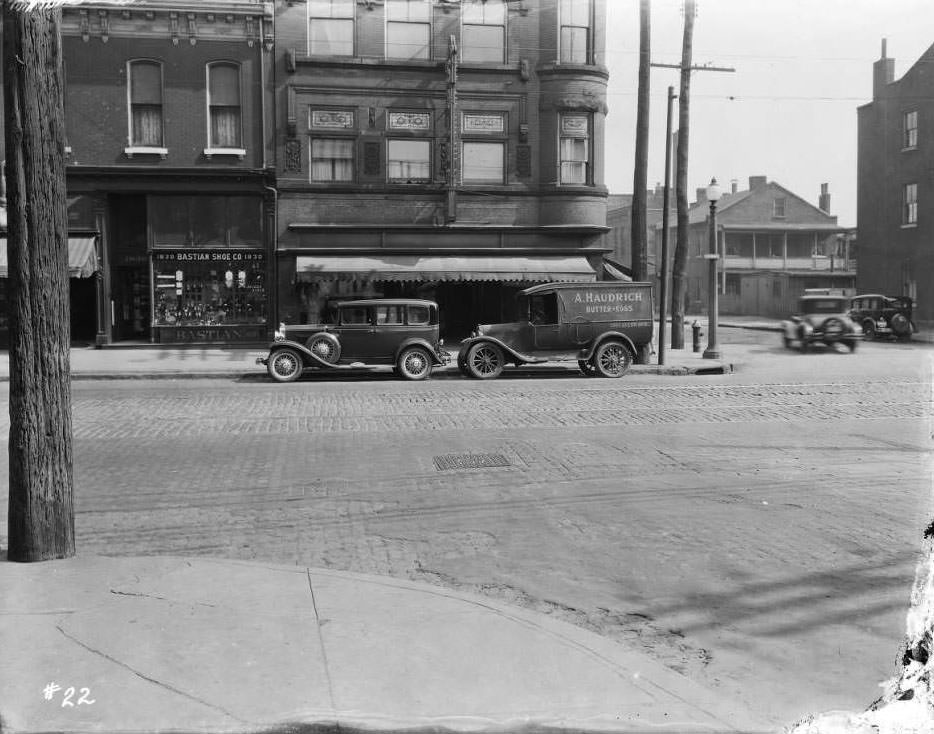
<point x="713" y="349"/>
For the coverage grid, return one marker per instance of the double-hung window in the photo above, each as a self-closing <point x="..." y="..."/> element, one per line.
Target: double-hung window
<point x="332" y="159"/>
<point x="574" y="39"/>
<point x="224" y="106"/>
<point x="910" y="139"/>
<point x="409" y="161"/>
<point x="910" y="204"/>
<point x="408" y="29"/>
<point x="483" y="36"/>
<point x="778" y="207"/>
<point x="145" y="94"/>
<point x="574" y="149"/>
<point x="330" y="27"/>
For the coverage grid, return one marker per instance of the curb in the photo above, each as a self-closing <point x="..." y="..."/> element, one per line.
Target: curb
<point x="715" y="368"/>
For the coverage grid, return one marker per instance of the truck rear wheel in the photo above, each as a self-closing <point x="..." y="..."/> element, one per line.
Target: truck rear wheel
<point x="612" y="359"/>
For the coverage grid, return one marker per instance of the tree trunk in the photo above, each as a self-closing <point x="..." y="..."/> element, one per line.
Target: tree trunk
<point x="640" y="266"/>
<point x="679" y="264"/>
<point x="41" y="512"/>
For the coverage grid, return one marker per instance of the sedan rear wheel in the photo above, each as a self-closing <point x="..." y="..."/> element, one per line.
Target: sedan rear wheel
<point x="285" y="365"/>
<point x="414" y="363"/>
<point x="485" y="361"/>
<point x="612" y="359"/>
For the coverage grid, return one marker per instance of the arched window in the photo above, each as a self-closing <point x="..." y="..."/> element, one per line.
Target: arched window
<point x="145" y="81"/>
<point x="224" y="106"/>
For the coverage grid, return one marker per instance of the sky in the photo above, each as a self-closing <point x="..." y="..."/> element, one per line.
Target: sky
<point x="788" y="112"/>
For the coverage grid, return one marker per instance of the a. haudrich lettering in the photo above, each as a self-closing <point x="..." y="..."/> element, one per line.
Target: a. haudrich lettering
<point x="591" y="297"/>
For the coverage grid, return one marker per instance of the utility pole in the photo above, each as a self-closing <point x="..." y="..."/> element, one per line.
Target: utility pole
<point x="640" y="265"/>
<point x="41" y="510"/>
<point x="663" y="285"/>
<point x="681" y="246"/>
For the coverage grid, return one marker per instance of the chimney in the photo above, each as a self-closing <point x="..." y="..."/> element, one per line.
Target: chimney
<point x="733" y="186"/>
<point x="757" y="181"/>
<point x="702" y="195"/>
<point x="883" y="73"/>
<point x="824" y="201"/>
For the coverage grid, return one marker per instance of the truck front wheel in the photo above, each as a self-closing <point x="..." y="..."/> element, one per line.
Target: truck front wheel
<point x="484" y="361"/>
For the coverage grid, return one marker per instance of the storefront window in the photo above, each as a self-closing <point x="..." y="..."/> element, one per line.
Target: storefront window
<point x="209" y="288"/>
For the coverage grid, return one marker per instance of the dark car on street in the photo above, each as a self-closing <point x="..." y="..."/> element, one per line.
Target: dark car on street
<point x="377" y="331"/>
<point x="883" y="316"/>
<point x="821" y="319"/>
<point x="600" y="326"/>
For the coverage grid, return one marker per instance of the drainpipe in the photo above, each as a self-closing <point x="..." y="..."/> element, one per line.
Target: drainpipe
<point x="272" y="266"/>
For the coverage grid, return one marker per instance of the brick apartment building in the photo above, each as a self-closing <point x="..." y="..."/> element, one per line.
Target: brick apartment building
<point x="440" y="149"/>
<point x="895" y="189"/>
<point x="168" y="116"/>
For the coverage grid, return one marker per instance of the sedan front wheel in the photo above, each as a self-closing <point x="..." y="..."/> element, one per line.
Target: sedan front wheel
<point x="285" y="365"/>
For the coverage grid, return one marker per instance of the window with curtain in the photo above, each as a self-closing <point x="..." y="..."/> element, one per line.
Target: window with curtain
<point x="408" y="29"/>
<point x="910" y="130"/>
<point x="332" y="159"/>
<point x="224" y="104"/>
<point x="574" y="149"/>
<point x="409" y="161"/>
<point x="146" y="104"/>
<point x="483" y="162"/>
<point x="330" y="27"/>
<point x="574" y="39"/>
<point x="910" y="204"/>
<point x="483" y="36"/>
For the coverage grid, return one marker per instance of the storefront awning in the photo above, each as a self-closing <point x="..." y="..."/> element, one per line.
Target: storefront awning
<point x="82" y="257"/>
<point x="544" y="268"/>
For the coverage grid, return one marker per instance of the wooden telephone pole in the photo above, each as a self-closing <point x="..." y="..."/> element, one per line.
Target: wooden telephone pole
<point x="41" y="512"/>
<point x="679" y="269"/>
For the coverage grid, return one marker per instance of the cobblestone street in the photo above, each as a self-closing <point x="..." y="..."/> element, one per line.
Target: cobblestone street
<point x="756" y="531"/>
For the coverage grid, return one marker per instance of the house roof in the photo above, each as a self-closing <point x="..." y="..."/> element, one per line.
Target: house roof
<point x="697" y="213"/>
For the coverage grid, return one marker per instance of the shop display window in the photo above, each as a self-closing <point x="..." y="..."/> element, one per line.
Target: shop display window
<point x="202" y="289"/>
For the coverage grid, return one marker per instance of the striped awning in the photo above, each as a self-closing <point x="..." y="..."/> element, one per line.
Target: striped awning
<point x="82" y="257"/>
<point x="544" y="268"/>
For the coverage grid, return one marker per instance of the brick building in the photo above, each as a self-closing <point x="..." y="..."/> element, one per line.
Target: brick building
<point x="168" y="113"/>
<point x="895" y="189"/>
<point x="441" y="149"/>
<point x="773" y="244"/>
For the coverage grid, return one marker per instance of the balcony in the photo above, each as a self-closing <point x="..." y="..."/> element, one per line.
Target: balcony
<point x="813" y="262"/>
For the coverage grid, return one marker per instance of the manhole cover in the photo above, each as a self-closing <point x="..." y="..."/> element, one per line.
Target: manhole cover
<point x="469" y="461"/>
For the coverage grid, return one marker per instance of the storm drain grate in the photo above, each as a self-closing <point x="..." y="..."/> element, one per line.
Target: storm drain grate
<point x="469" y="461"/>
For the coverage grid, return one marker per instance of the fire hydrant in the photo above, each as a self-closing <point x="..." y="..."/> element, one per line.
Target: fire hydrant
<point x="696" y="334"/>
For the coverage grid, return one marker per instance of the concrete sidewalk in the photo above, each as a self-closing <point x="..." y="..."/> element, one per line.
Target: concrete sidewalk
<point x="145" y="362"/>
<point x="200" y="645"/>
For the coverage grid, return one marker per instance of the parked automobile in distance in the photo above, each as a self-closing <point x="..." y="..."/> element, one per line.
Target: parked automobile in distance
<point x="879" y="315"/>
<point x="821" y="319"/>
<point x="378" y="331"/>
<point x="601" y="326"/>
